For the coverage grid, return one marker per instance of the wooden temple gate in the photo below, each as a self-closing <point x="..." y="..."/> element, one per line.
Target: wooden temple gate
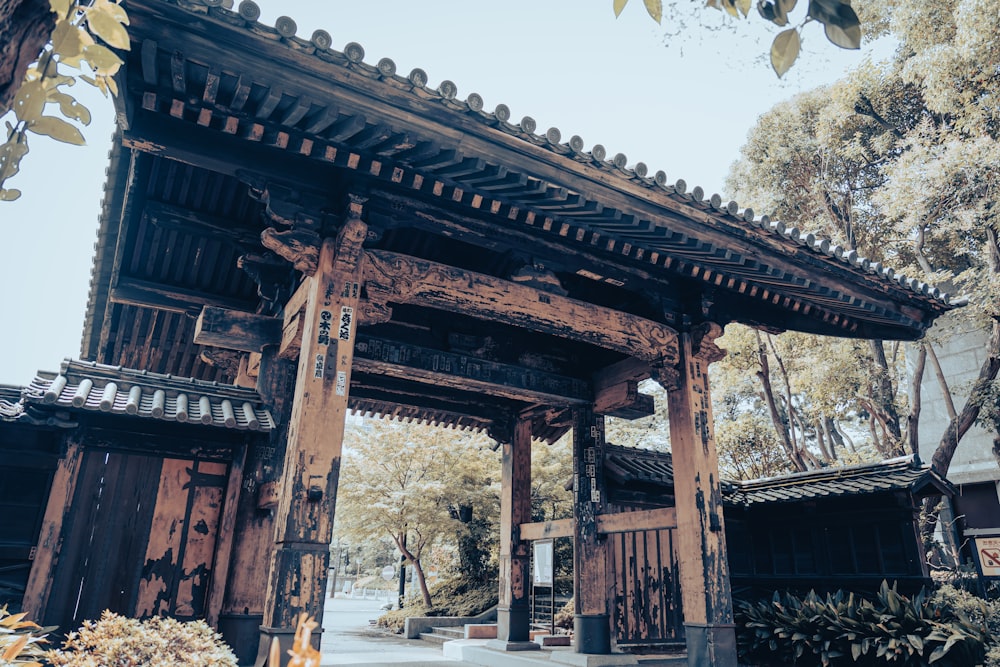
<point x="352" y="239"/>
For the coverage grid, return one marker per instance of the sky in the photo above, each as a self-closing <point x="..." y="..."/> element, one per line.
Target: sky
<point x="680" y="97"/>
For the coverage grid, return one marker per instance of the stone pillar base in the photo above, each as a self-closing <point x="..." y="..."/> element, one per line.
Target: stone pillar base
<point x="285" y="637"/>
<point x="513" y="624"/>
<point x="711" y="645"/>
<point x="592" y="634"/>
<point x="505" y="645"/>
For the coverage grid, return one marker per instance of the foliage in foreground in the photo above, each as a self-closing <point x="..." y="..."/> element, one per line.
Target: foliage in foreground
<point x="20" y="640"/>
<point x="128" y="642"/>
<point x="843" y="629"/>
<point x="454" y="597"/>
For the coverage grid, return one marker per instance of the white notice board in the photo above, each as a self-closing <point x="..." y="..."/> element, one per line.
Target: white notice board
<point x="542" y="572"/>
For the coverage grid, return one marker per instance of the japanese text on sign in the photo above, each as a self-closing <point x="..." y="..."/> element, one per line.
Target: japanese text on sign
<point x="325" y="326"/>
<point x="318" y="366"/>
<point x="346" y="317"/>
<point x="341" y="383"/>
<point x="988" y="556"/>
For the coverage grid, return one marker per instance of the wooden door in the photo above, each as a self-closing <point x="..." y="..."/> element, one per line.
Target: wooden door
<point x="647" y="596"/>
<point x="139" y="538"/>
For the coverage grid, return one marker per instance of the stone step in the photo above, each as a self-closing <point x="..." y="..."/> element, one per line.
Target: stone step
<point x="435" y="638"/>
<point x="453" y="632"/>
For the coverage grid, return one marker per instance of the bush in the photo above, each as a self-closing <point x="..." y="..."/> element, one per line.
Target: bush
<point x="452" y="597"/>
<point x="981" y="612"/>
<point x="847" y="630"/>
<point x="20" y="640"/>
<point x="127" y="642"/>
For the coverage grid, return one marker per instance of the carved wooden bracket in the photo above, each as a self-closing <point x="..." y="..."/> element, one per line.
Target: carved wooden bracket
<point x="300" y="247"/>
<point x="703" y="342"/>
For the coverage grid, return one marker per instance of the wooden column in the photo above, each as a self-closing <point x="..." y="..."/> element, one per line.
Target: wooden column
<point x="308" y="488"/>
<point x="701" y="539"/>
<point x="591" y="622"/>
<point x="514" y="608"/>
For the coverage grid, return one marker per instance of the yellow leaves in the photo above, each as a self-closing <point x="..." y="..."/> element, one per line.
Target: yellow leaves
<point x="653" y="7"/>
<point x="30" y="101"/>
<point x="784" y="50"/>
<point x="58" y="129"/>
<point x="107" y="20"/>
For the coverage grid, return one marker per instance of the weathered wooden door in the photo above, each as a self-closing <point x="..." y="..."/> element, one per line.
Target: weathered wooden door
<point x="647" y="595"/>
<point x="139" y="538"/>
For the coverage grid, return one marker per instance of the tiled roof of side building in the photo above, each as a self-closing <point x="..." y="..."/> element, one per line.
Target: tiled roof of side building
<point x="630" y="465"/>
<point x="91" y="387"/>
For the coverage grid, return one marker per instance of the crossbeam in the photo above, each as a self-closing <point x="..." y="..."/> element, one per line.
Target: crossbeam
<point x="661" y="518"/>
<point x="395" y="278"/>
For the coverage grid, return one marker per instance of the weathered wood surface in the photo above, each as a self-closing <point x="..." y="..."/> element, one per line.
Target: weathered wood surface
<point x="304" y="517"/>
<point x="662" y="518"/>
<point x="515" y="560"/>
<point x="148" y="294"/>
<point x="52" y="535"/>
<point x="236" y="330"/>
<point x="590" y="554"/>
<point x="394" y="278"/>
<point x="253" y="539"/>
<point x="221" y="559"/>
<point x="647" y="596"/>
<point x="700" y="534"/>
<point x="466" y="373"/>
<point x="25" y="26"/>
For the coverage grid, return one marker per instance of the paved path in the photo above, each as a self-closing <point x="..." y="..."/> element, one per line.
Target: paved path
<point x="348" y="639"/>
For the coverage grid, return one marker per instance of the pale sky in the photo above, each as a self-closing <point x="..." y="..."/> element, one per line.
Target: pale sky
<point x="684" y="108"/>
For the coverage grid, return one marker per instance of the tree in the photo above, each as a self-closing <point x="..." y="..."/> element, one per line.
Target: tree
<point x="410" y="482"/>
<point x="901" y="161"/>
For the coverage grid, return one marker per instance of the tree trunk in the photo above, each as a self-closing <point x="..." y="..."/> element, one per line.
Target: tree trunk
<point x="959" y="425"/>
<point x="413" y="558"/>
<point x="765" y="379"/>
<point x="883" y="395"/>
<point x="913" y="419"/>
<point x="25" y="26"/>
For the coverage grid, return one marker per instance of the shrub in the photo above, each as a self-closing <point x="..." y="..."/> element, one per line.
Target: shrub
<point x="979" y="611"/>
<point x="452" y="597"/>
<point x="848" y="630"/>
<point x="20" y="640"/>
<point x="127" y="642"/>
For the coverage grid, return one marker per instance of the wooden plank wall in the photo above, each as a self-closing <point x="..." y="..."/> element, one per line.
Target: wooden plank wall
<point x="647" y="603"/>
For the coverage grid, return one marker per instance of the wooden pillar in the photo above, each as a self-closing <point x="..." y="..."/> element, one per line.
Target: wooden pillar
<point x="591" y="621"/>
<point x="514" y="608"/>
<point x="50" y="539"/>
<point x="701" y="538"/>
<point x="308" y="488"/>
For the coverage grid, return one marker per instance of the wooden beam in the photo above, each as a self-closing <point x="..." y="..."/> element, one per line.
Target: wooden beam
<point x="624" y="401"/>
<point x="147" y="294"/>
<point x="466" y="373"/>
<point x="226" y="533"/>
<point x="662" y="518"/>
<point x="394" y="278"/>
<point x="197" y="223"/>
<point x="235" y="329"/>
<point x="541" y="530"/>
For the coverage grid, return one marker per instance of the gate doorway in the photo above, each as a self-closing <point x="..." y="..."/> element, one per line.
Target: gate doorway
<point x="139" y="538"/>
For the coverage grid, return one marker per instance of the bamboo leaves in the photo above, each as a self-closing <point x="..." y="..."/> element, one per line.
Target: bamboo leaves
<point x="653" y="7"/>
<point x="72" y="45"/>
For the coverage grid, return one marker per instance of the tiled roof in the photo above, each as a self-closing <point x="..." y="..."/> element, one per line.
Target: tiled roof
<point x="319" y="46"/>
<point x="626" y="465"/>
<point x="10" y="402"/>
<point x="92" y="387"/>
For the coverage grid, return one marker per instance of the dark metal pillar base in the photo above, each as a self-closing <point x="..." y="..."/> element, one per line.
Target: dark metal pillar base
<point x="513" y="624"/>
<point x="711" y="645"/>
<point x="592" y="633"/>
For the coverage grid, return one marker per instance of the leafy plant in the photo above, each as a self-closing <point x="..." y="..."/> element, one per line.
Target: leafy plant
<point x="128" y="642"/>
<point x="20" y="640"/>
<point x="72" y="45"/>
<point x="843" y="629"/>
<point x="839" y="20"/>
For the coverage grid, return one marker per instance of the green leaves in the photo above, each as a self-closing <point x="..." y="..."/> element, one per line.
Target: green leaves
<point x="784" y="50"/>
